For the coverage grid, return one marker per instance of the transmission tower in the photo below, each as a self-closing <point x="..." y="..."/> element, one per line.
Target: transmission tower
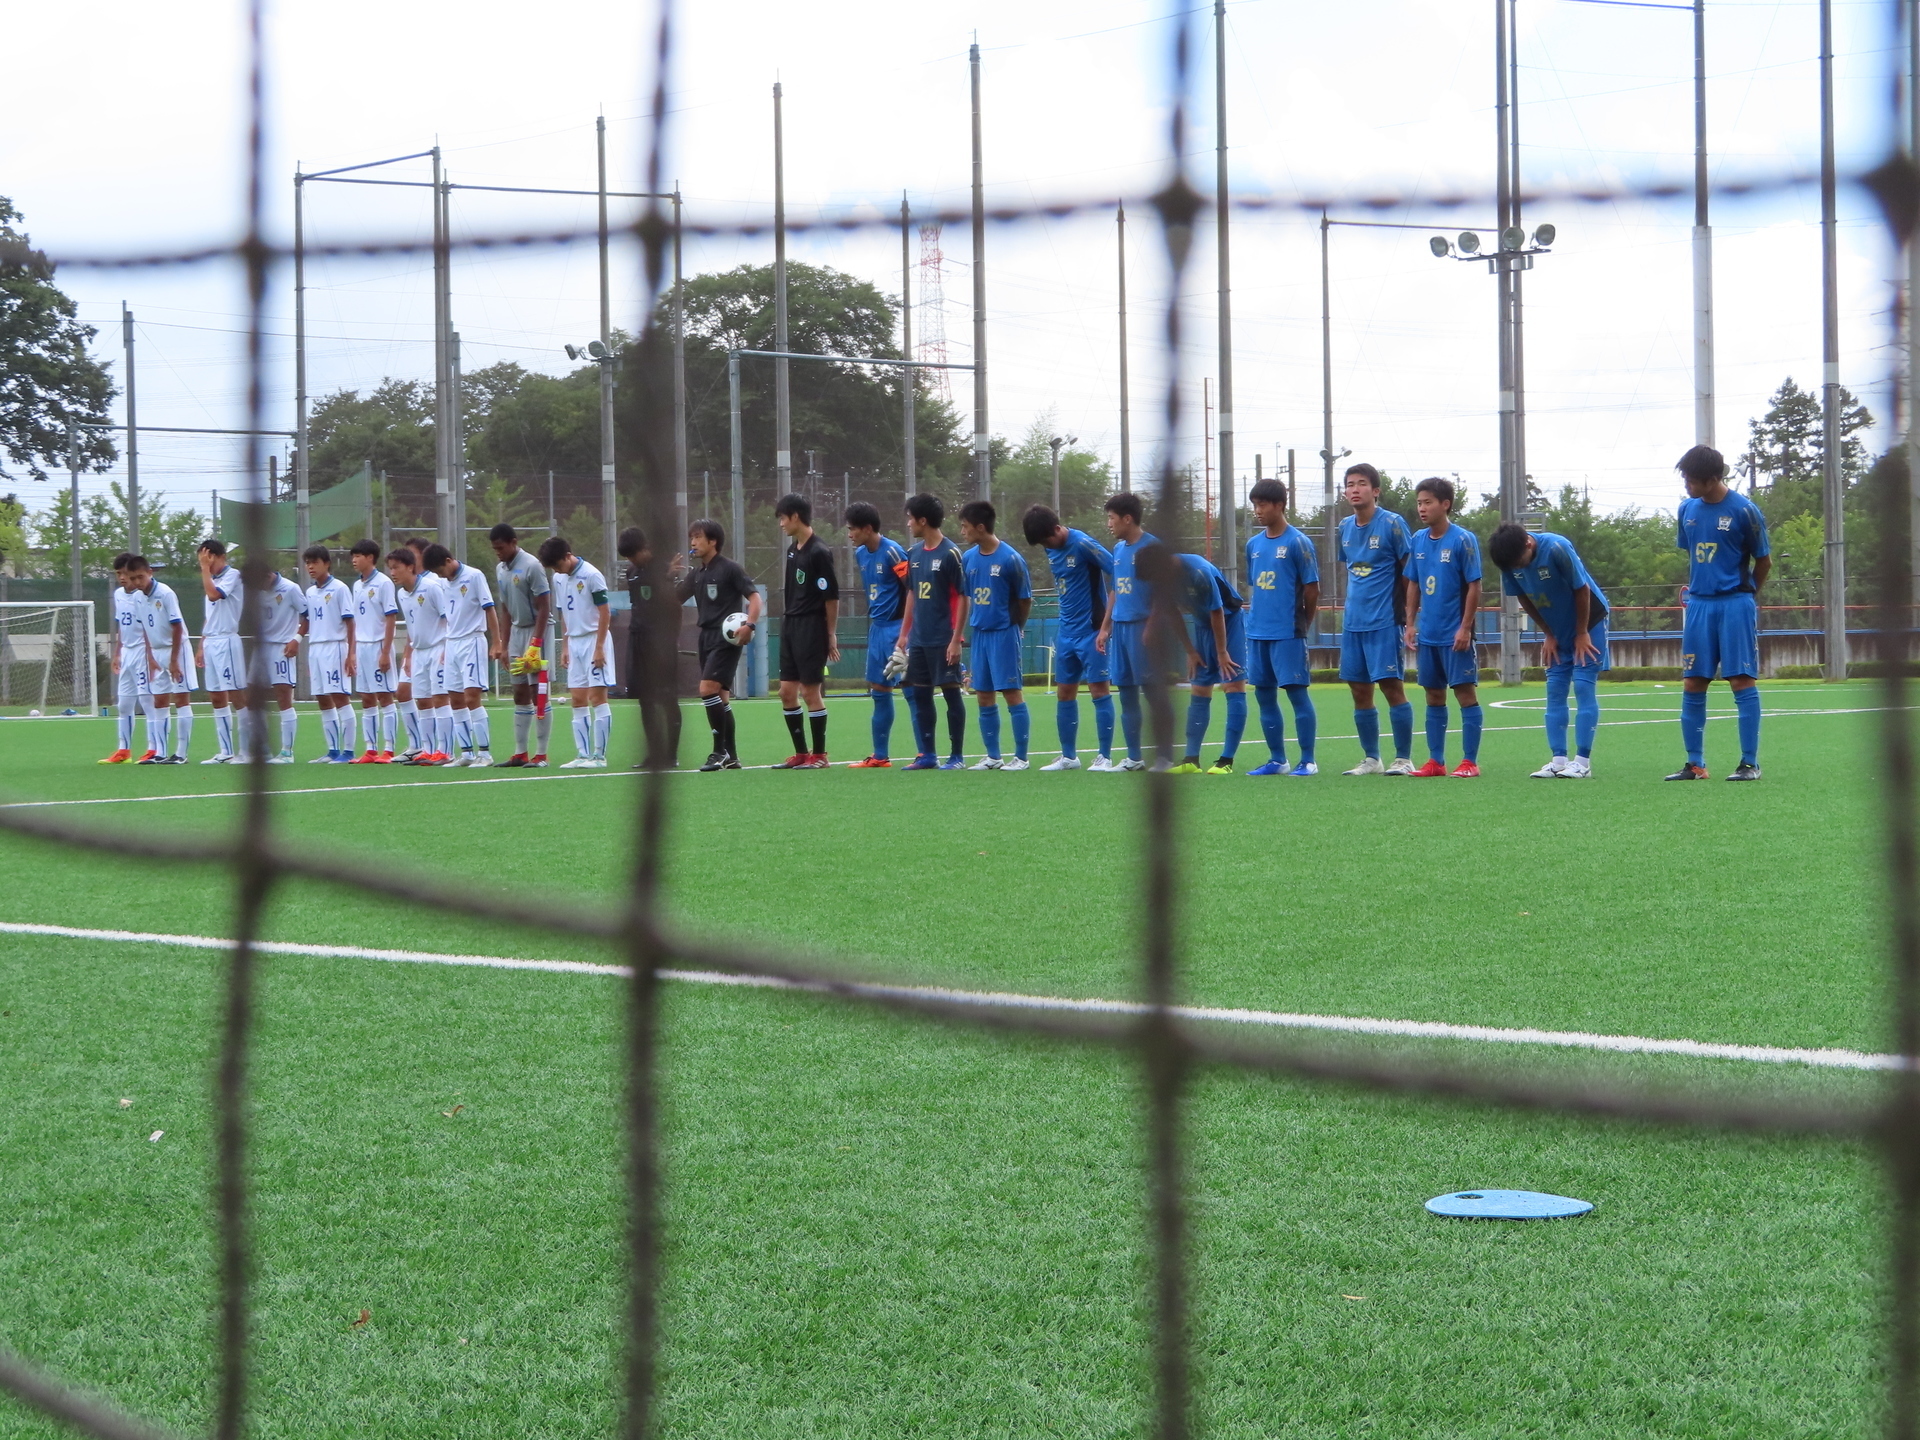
<point x="933" y="314"/>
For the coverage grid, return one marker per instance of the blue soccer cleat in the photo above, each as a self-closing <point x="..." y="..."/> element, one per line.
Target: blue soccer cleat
<point x="1272" y="767"/>
<point x="1304" y="768"/>
<point x="921" y="762"/>
<point x="953" y="762"/>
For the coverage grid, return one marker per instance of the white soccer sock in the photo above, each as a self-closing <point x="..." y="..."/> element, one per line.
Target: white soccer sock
<point x="602" y="728"/>
<point x="289" y="728"/>
<point x="522" y="723"/>
<point x="151" y="713"/>
<point x="125" y="726"/>
<point x="543" y="731"/>
<point x="482" y="730"/>
<point x="182" y="730"/>
<point x="410" y="717"/>
<point x="370" y="726"/>
<point x="389" y="723"/>
<point x="222" y="730"/>
<point x="160" y="729"/>
<point x="583" y="732"/>
<point x="462" y="730"/>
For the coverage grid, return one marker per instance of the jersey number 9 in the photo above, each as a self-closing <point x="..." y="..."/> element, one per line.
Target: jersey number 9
<point x="1433" y="582"/>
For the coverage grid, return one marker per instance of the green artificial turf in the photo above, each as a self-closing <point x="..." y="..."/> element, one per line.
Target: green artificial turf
<point x="877" y="1227"/>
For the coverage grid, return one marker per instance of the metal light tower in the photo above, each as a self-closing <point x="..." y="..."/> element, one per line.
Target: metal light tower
<point x="1833" y="489"/>
<point x="982" y="453"/>
<point x="782" y="404"/>
<point x="1055" y="445"/>
<point x="1229" y="490"/>
<point x="906" y="347"/>
<point x="1703" y="383"/>
<point x="608" y="499"/>
<point x="1126" y="424"/>
<point x="133" y="438"/>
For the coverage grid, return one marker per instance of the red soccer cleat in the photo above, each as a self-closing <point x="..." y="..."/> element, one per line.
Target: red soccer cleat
<point x="872" y="762"/>
<point x="385" y="757"/>
<point x="148" y="758"/>
<point x="372" y="757"/>
<point x="794" y="762"/>
<point x="814" y="762"/>
<point x="537" y="762"/>
<point x="1431" y="770"/>
<point x="119" y="757"/>
<point x="1466" y="770"/>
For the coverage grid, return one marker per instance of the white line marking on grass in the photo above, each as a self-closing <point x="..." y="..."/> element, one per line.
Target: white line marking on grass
<point x="1832" y="1059"/>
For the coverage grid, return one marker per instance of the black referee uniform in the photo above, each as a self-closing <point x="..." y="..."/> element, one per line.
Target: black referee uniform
<point x="719" y="588"/>
<point x="652" y="661"/>
<point x="804" y="638"/>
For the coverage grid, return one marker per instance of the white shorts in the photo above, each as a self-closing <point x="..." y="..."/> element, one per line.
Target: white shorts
<point x="466" y="661"/>
<point x="327" y="667"/>
<point x="280" y="665"/>
<point x="131" y="683"/>
<point x="582" y="673"/>
<point x="226" y="659"/>
<point x="160" y="679"/>
<point x="368" y="677"/>
<point x="424" y="673"/>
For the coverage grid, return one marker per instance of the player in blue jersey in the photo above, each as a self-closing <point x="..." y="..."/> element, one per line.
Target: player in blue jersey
<point x="1728" y="559"/>
<point x="1216" y="645"/>
<point x="1373" y="546"/>
<point x="1443" y="601"/>
<point x="1283" y="583"/>
<point x="930" y="633"/>
<point x="1131" y="650"/>
<point x="883" y="575"/>
<point x="1083" y="576"/>
<point x="1001" y="593"/>
<point x="1544" y="571"/>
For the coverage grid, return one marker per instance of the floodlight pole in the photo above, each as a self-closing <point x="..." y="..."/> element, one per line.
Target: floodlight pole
<point x="679" y="374"/>
<point x="442" y="324"/>
<point x="1703" y="382"/>
<point x="1516" y="268"/>
<point x="133" y="438"/>
<point x="1328" y="565"/>
<point x="1833" y="488"/>
<point x="739" y="465"/>
<point x="1913" y="297"/>
<point x="1229" y="490"/>
<point x="608" y="500"/>
<point x="782" y="401"/>
<point x="301" y="516"/>
<point x="73" y="489"/>
<point x="982" y="451"/>
<point x="1503" y="275"/>
<point x="1054" y="445"/>
<point x="456" y="450"/>
<point x="1126" y="424"/>
<point x="906" y="346"/>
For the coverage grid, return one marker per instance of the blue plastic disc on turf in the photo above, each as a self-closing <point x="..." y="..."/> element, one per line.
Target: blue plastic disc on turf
<point x="1506" y="1205"/>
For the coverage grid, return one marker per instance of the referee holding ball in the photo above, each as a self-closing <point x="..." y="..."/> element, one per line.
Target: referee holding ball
<point x="807" y="639"/>
<point x="718" y="587"/>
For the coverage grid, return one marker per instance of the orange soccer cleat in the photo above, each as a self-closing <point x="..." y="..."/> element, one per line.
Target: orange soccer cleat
<point x="119" y="757"/>
<point x="872" y="762"/>
<point x="385" y="757"/>
<point x="1431" y="770"/>
<point x="372" y="757"/>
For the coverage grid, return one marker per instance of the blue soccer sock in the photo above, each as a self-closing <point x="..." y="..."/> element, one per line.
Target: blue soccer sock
<point x="882" y="722"/>
<point x="1472" y="720"/>
<point x="1557" y="683"/>
<point x="1401" y="718"/>
<point x="1066" y="720"/>
<point x="1103" y="721"/>
<point x="1367" y="723"/>
<point x="990" y="727"/>
<point x="1693" y="726"/>
<point x="1022" y="719"/>
<point x="956" y="720"/>
<point x="1306" y="721"/>
<point x="1437" y="732"/>
<point x="1130" y="719"/>
<point x="1586" y="699"/>
<point x="1199" y="717"/>
<point x="1748" y="702"/>
<point x="1273" y="728"/>
<point x="920" y="711"/>
<point x="1236" y="723"/>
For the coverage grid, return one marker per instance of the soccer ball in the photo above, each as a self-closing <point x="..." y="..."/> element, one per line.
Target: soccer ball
<point x="733" y="628"/>
<point x="34" y="714"/>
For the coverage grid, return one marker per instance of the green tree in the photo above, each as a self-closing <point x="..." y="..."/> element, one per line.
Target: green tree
<point x="539" y="423"/>
<point x="13" y="533"/>
<point x="1024" y="476"/>
<point x="48" y="381"/>
<point x="391" y="427"/>
<point x="1786" y="451"/>
<point x="169" y="537"/>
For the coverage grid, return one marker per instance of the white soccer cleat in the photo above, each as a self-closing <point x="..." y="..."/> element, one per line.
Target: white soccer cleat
<point x="1101" y="765"/>
<point x="578" y="763"/>
<point x="1578" y="768"/>
<point x="1129" y="764"/>
<point x="218" y="760"/>
<point x="407" y="757"/>
<point x="991" y="762"/>
<point x="285" y="757"/>
<point x="1401" y="766"/>
<point x="1553" y="769"/>
<point x="1015" y="764"/>
<point x="598" y="762"/>
<point x="1161" y="766"/>
<point x="1369" y="766"/>
<point x="326" y="759"/>
<point x="481" y="761"/>
<point x="459" y="761"/>
<point x="1065" y="762"/>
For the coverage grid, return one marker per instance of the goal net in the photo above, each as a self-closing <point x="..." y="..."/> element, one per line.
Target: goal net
<point x="47" y="659"/>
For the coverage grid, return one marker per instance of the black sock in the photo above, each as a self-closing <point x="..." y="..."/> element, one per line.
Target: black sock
<point x="726" y="731"/>
<point x="920" y="701"/>
<point x="956" y="718"/>
<point x="817" y="720"/>
<point x="717" y="717"/>
<point x="797" y="728"/>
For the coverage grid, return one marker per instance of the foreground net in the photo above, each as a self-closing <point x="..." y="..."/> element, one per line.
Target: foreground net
<point x="1168" y="1049"/>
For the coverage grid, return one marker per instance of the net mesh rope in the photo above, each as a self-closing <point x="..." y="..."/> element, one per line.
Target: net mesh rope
<point x="1167" y="1048"/>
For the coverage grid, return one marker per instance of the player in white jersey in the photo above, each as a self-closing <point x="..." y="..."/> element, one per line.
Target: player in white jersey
<point x="521" y="582"/>
<point x="374" y="612"/>
<point x="169" y="664"/>
<point x="473" y="635"/>
<point x="586" y="617"/>
<point x="423" y="600"/>
<point x="276" y="653"/>
<point x="223" y="659"/>
<point x="127" y="646"/>
<point x="328" y="626"/>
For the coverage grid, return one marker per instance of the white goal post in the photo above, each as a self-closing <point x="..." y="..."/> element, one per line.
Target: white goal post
<point x="49" y="658"/>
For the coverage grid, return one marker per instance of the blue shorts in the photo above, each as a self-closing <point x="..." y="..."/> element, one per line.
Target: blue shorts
<point x="1441" y="667"/>
<point x="1077" y="660"/>
<point x="1720" y="633"/>
<point x="1564" y="666"/>
<point x="996" y="660"/>
<point x="1209" y="671"/>
<point x="1127" y="653"/>
<point x="1277" y="664"/>
<point x="1370" y="655"/>
<point x="881" y="635"/>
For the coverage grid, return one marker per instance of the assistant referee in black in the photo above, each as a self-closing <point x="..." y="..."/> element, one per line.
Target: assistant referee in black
<point x="807" y="632"/>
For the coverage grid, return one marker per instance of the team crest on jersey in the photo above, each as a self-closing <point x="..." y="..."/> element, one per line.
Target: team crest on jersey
<point x="821" y="582"/>
<point x="1445" y="556"/>
<point x="1726" y="522"/>
<point x="992" y="570"/>
<point x="1280" y="552"/>
<point x="1373" y="542"/>
<point x="1545" y="573"/>
<point x="713" y="592"/>
<point x="646" y="592"/>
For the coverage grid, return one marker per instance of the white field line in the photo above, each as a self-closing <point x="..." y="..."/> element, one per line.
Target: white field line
<point x="446" y="777"/>
<point x="1833" y="1059"/>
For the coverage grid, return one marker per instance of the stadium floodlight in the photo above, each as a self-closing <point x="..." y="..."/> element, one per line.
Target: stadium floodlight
<point x="1513" y="238"/>
<point x="596" y="350"/>
<point x="1441" y="247"/>
<point x="1544" y="235"/>
<point x="573" y="353"/>
<point x="1469" y="242"/>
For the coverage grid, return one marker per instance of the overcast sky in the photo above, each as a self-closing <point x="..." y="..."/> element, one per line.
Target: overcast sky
<point x="1365" y="98"/>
